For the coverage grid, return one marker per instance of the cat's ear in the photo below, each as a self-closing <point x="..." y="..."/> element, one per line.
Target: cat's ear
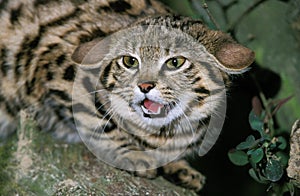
<point x="234" y="58"/>
<point x="88" y="55"/>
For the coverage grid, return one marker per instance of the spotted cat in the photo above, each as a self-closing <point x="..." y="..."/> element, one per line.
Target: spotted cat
<point x="141" y="85"/>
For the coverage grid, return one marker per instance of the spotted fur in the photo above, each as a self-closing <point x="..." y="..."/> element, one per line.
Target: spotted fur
<point x="38" y="70"/>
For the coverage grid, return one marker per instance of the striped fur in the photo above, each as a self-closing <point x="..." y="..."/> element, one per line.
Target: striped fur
<point x="38" y="73"/>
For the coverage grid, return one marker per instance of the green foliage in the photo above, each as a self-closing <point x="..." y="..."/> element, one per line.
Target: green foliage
<point x="250" y="141"/>
<point x="265" y="150"/>
<point x="273" y="170"/>
<point x="238" y="157"/>
<point x="5" y="153"/>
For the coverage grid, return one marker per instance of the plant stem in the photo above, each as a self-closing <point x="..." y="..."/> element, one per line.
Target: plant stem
<point x="199" y="10"/>
<point x="205" y="7"/>
<point x="265" y="103"/>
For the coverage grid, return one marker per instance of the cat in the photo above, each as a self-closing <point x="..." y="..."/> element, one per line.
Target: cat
<point x="141" y="85"/>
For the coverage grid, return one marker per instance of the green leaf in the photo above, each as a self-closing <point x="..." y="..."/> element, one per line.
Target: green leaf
<point x="257" y="155"/>
<point x="283" y="158"/>
<point x="291" y="188"/>
<point x="249" y="152"/>
<point x="238" y="157"/>
<point x="256" y="122"/>
<point x="250" y="141"/>
<point x="273" y="170"/>
<point x="272" y="146"/>
<point x="254" y="175"/>
<point x="282" y="142"/>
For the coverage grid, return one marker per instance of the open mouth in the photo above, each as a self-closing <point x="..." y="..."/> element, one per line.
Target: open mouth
<point x="153" y="109"/>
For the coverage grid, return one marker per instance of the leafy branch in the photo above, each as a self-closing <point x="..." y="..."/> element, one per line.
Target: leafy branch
<point x="266" y="153"/>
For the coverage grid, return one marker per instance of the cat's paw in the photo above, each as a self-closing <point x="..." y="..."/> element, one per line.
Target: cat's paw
<point x="139" y="164"/>
<point x="149" y="173"/>
<point x="184" y="175"/>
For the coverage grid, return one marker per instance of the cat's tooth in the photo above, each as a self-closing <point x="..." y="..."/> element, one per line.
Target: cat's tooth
<point x="158" y="111"/>
<point x="145" y="110"/>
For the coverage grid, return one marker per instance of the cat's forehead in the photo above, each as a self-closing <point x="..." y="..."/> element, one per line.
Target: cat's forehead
<point x="151" y="39"/>
<point x="152" y="52"/>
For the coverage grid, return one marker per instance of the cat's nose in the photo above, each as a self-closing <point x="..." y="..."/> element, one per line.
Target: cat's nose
<point x="146" y="86"/>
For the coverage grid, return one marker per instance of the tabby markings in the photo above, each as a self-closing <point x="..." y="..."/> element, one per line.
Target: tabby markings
<point x="201" y="90"/>
<point x="3" y="4"/>
<point x="5" y="67"/>
<point x="69" y="73"/>
<point x="60" y="59"/>
<point x="61" y="94"/>
<point x="15" y="14"/>
<point x="25" y="52"/>
<point x="116" y="6"/>
<point x="105" y="77"/>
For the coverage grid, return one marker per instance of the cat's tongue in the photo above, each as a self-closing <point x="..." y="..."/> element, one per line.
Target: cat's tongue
<point x="152" y="106"/>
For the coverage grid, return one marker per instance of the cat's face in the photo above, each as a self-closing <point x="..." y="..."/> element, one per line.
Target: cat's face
<point x="153" y="76"/>
<point x="157" y="78"/>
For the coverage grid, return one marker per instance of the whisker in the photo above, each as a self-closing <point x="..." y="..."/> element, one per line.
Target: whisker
<point x="108" y="120"/>
<point x="111" y="115"/>
<point x="102" y="105"/>
<point x="122" y="90"/>
<point x="185" y="116"/>
<point x="130" y="113"/>
<point x="119" y="121"/>
<point x="92" y="92"/>
<point x="216" y="112"/>
<point x="220" y="100"/>
<point x="100" y="123"/>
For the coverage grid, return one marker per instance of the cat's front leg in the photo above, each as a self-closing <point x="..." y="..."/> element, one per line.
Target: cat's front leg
<point x="139" y="163"/>
<point x="181" y="173"/>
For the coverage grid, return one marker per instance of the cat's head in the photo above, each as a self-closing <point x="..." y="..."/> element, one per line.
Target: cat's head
<point x="164" y="69"/>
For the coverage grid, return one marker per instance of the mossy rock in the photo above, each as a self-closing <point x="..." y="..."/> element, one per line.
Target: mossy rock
<point x="33" y="163"/>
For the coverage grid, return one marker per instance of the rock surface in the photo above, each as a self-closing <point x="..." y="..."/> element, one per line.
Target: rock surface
<point x="293" y="169"/>
<point x="33" y="163"/>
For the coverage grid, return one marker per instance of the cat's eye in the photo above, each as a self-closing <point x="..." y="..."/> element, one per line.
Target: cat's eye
<point x="175" y="62"/>
<point x="130" y="62"/>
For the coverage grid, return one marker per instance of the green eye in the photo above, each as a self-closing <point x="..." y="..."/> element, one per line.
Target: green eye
<point x="176" y="62"/>
<point x="130" y="62"/>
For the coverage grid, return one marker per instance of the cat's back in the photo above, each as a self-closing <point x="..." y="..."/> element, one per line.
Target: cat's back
<point x="67" y="19"/>
<point x="110" y="13"/>
<point x="37" y="39"/>
<point x="37" y="36"/>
